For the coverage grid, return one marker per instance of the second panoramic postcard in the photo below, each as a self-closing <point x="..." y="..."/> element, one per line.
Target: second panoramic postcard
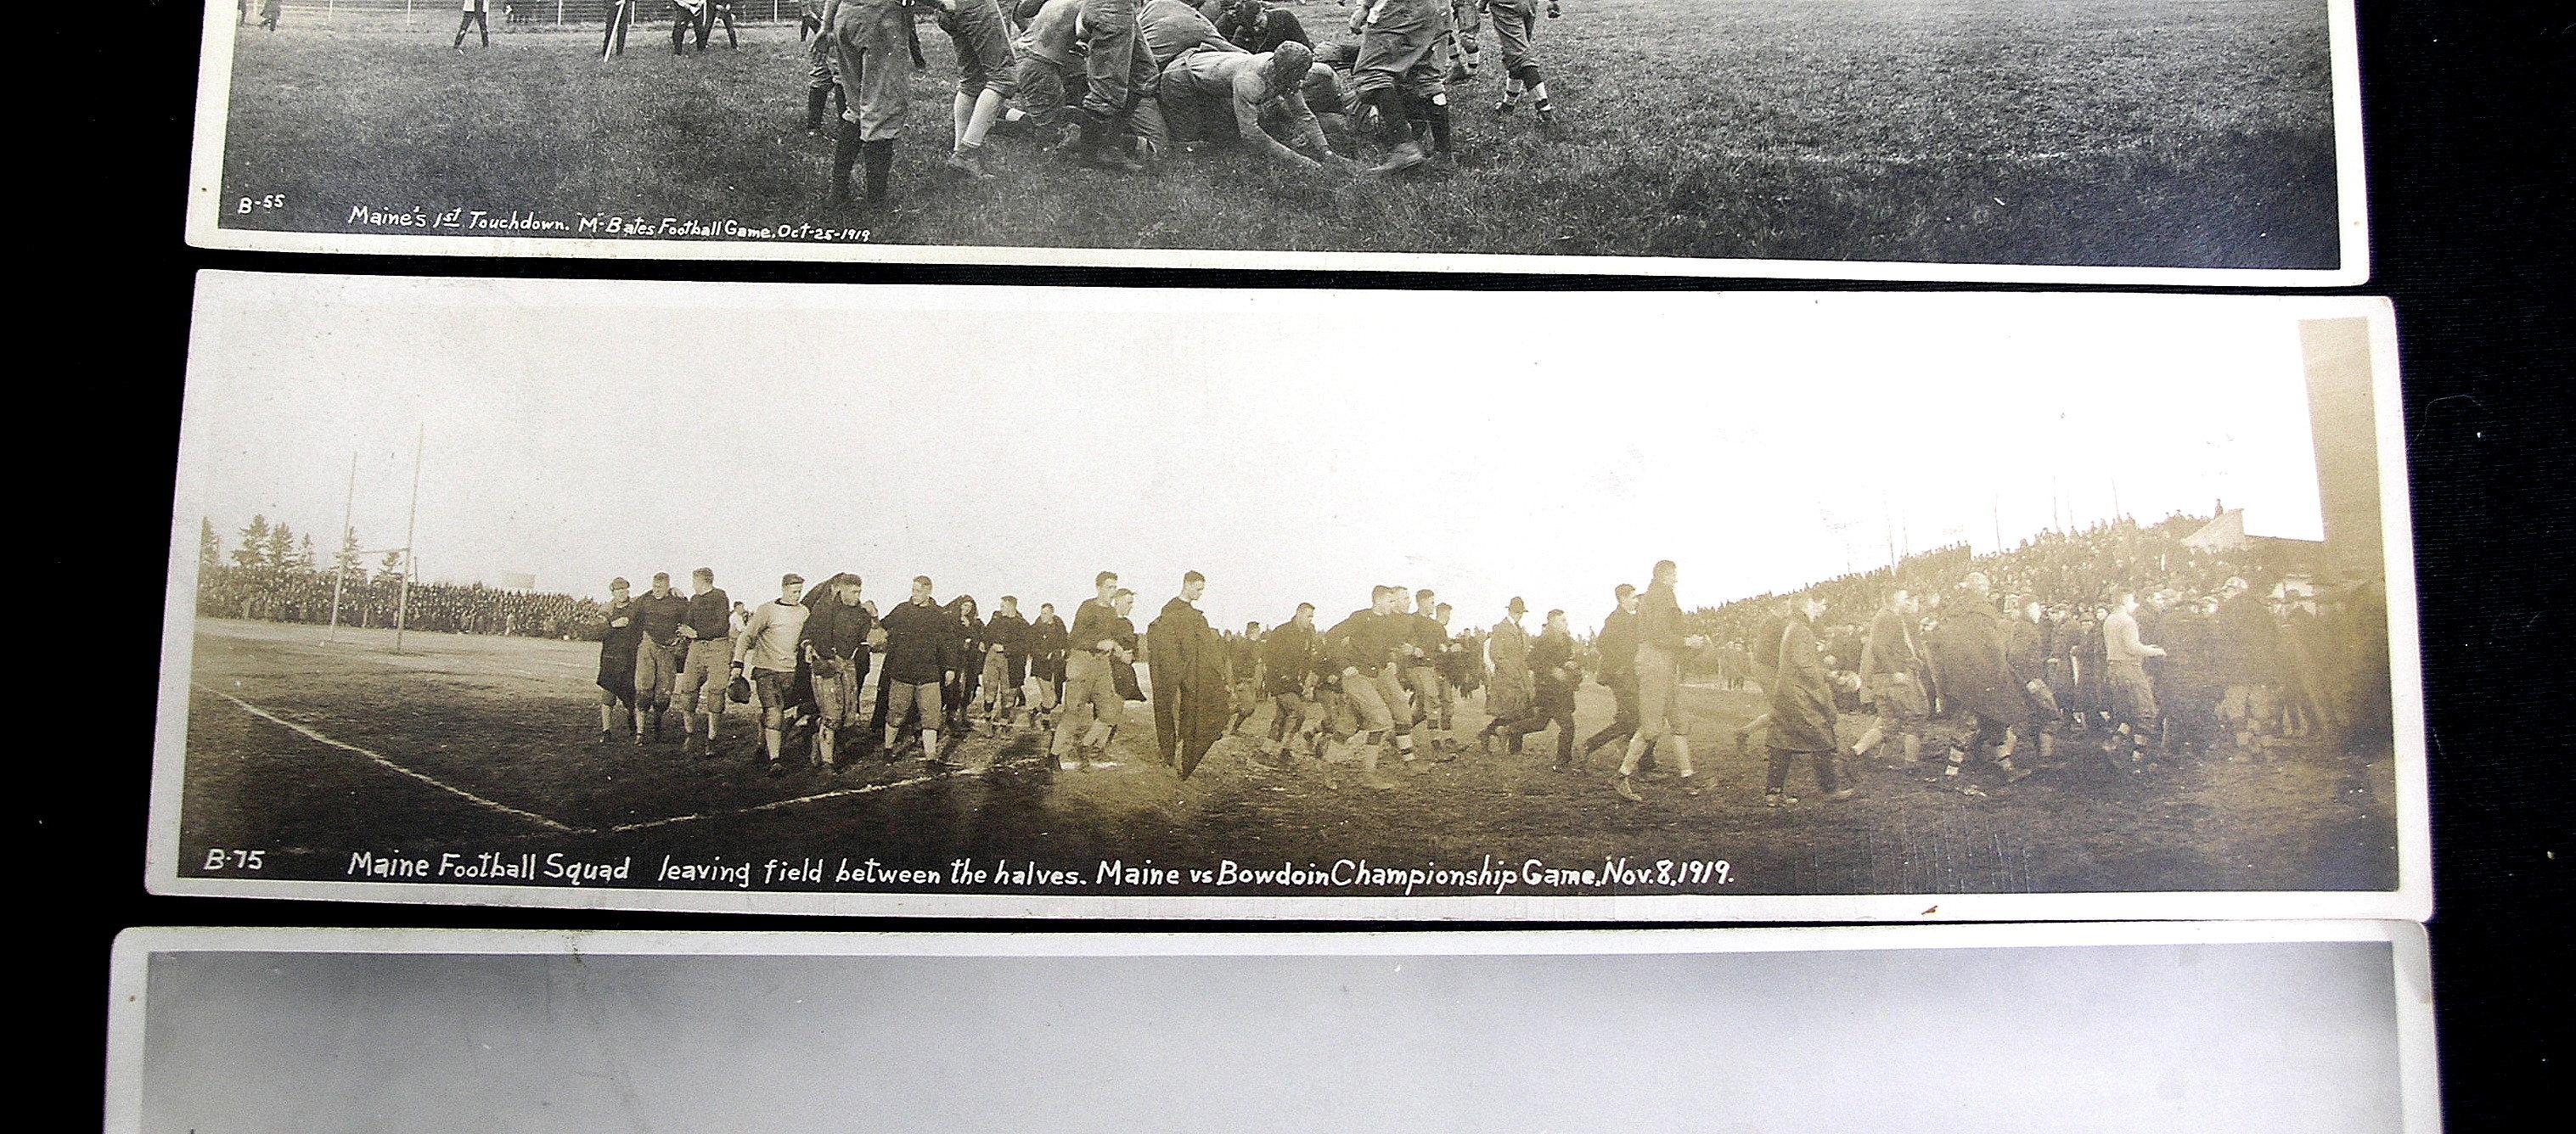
<point x="1094" y="602"/>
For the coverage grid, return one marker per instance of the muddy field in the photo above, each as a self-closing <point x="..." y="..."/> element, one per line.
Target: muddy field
<point x="313" y="755"/>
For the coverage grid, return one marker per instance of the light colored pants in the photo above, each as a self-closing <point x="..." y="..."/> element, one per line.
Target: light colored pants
<point x="1366" y="697"/>
<point x="1088" y="682"/>
<point x="997" y="687"/>
<point x="1430" y="694"/>
<point x="1109" y="70"/>
<point x="2133" y="700"/>
<point x="1659" y="693"/>
<point x="655" y="670"/>
<point x="702" y="679"/>
<point x="874" y="38"/>
<point x="909" y="703"/>
<point x="1900" y="701"/>
<point x="836" y="698"/>
<point x="1515" y="21"/>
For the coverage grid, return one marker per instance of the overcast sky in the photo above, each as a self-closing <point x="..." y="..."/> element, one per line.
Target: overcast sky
<point x="2275" y="1038"/>
<point x="1294" y="446"/>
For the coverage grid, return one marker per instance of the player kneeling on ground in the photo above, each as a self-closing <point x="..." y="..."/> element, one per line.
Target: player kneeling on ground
<point x="1206" y="84"/>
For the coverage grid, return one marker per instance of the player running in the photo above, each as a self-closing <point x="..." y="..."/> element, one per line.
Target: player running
<point x="1555" y="674"/>
<point x="1363" y="648"/>
<point x="1426" y="640"/>
<point x="1617" y="645"/>
<point x="1288" y="656"/>
<point x="1100" y="637"/>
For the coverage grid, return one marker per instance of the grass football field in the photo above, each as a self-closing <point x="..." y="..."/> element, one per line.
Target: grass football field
<point x="311" y="753"/>
<point x="2181" y="133"/>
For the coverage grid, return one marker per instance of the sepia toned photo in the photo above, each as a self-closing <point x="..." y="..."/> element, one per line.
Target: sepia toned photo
<point x="1086" y="602"/>
<point x="2023" y="141"/>
<point x="2276" y="1028"/>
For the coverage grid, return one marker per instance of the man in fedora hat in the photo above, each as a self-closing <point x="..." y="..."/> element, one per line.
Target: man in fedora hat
<point x="1507" y="692"/>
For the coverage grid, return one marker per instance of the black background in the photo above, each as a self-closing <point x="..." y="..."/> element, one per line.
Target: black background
<point x="2466" y="106"/>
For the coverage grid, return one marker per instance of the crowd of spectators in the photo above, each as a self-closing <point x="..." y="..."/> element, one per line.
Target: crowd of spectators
<point x="289" y="594"/>
<point x="2263" y="640"/>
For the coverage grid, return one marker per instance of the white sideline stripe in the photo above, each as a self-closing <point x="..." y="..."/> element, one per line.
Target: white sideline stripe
<point x="622" y="828"/>
<point x="817" y="797"/>
<point x="389" y="765"/>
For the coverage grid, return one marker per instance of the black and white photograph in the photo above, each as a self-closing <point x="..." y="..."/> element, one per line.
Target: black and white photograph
<point x="998" y="601"/>
<point x="2266" y="1028"/>
<point x="2146" y="142"/>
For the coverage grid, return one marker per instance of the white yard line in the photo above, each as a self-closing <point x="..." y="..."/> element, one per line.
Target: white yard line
<point x="619" y="829"/>
<point x="836" y="793"/>
<point x="389" y="765"/>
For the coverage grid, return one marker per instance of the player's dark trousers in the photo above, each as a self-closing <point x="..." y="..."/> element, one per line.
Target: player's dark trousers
<point x="885" y="699"/>
<point x="613" y="41"/>
<point x="1623" y="723"/>
<point x="1558" y="713"/>
<point x="849" y="151"/>
<point x="472" y="20"/>
<point x="681" y="25"/>
<point x="1776" y="779"/>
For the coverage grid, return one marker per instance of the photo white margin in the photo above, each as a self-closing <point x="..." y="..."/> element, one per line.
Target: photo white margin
<point x="214" y="91"/>
<point x="2412" y="900"/>
<point x="2419" y="1083"/>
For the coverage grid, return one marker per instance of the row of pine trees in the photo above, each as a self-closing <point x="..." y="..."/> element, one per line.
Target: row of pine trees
<point x="263" y="544"/>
